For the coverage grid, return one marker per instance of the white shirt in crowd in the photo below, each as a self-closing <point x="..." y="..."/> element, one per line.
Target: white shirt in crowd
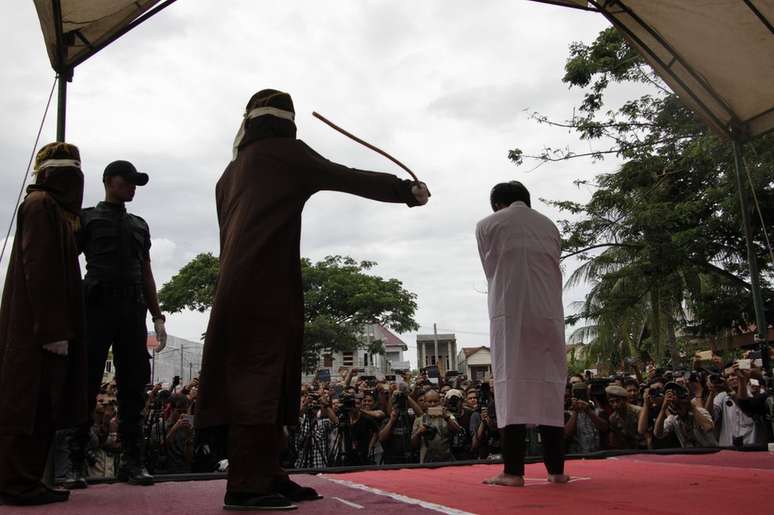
<point x="733" y="422"/>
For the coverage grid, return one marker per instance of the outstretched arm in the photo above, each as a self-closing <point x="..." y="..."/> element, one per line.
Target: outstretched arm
<point x="325" y="175"/>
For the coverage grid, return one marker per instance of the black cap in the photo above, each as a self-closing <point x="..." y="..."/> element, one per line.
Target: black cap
<point x="126" y="170"/>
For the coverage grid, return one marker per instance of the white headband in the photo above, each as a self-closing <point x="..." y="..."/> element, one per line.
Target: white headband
<point x="49" y="163"/>
<point x="255" y="113"/>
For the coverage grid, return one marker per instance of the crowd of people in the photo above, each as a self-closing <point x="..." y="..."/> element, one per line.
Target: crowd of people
<point x="364" y="420"/>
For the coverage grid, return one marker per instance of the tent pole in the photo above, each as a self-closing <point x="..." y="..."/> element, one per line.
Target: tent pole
<point x="760" y="314"/>
<point x="61" y="111"/>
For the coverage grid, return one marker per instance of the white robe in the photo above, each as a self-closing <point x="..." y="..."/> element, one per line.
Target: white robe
<point x="520" y="250"/>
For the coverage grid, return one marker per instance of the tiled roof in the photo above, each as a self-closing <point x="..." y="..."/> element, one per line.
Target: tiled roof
<point x="469" y="351"/>
<point x="389" y="339"/>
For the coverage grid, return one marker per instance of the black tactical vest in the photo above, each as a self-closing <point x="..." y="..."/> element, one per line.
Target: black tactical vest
<point x="115" y="243"/>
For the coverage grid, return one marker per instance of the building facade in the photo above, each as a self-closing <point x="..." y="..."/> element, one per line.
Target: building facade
<point x="475" y="363"/>
<point x="372" y="364"/>
<point x="437" y="349"/>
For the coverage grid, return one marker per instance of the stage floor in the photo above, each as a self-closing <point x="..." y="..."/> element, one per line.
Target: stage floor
<point x="721" y="483"/>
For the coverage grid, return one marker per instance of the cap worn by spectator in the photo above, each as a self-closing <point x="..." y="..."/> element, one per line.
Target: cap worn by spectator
<point x="126" y="170"/>
<point x="681" y="392"/>
<point x="454" y="393"/>
<point x="616" y="391"/>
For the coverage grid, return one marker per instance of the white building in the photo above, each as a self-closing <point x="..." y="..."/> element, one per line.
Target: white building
<point x="373" y="364"/>
<point x="166" y="364"/>
<point x="437" y="349"/>
<point x="475" y="362"/>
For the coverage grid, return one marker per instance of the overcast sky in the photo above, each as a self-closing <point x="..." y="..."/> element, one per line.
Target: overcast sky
<point x="445" y="86"/>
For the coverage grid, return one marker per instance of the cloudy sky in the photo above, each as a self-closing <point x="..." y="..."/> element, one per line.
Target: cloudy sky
<point x="446" y="86"/>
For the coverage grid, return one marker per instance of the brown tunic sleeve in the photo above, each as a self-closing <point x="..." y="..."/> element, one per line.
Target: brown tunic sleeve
<point x="44" y="262"/>
<point x="325" y="175"/>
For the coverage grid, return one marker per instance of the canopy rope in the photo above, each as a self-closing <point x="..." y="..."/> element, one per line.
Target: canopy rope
<point x="27" y="172"/>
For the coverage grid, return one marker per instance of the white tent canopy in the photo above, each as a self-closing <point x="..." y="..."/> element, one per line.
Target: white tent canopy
<point x="716" y="55"/>
<point x="74" y="30"/>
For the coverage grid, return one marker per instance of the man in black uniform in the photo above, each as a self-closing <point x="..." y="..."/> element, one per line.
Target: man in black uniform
<point x="119" y="290"/>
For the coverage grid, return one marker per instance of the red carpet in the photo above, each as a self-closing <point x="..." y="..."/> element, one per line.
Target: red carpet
<point x="678" y="485"/>
<point x="722" y="483"/>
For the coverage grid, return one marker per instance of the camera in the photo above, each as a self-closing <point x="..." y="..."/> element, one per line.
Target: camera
<point x="400" y="401"/>
<point x="597" y="387"/>
<point x="429" y="433"/>
<point x="453" y="403"/>
<point x="314" y="402"/>
<point x="348" y="403"/>
<point x="483" y="393"/>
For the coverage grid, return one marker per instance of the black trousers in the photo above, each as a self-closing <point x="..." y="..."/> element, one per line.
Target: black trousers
<point x="117" y="321"/>
<point x="514" y="447"/>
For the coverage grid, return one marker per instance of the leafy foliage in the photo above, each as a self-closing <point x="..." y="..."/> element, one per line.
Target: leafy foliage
<point x="660" y="242"/>
<point x="340" y="298"/>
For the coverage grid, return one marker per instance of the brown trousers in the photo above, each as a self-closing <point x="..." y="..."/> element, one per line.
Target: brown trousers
<point x="253" y="458"/>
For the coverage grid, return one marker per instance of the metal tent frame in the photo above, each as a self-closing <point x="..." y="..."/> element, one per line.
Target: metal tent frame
<point x="66" y="70"/>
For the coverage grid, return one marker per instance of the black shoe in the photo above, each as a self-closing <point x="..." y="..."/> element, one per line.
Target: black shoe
<point x="75" y="479"/>
<point x="61" y="492"/>
<point x="294" y="491"/>
<point x="135" y="475"/>
<point x="42" y="496"/>
<point x="237" y="501"/>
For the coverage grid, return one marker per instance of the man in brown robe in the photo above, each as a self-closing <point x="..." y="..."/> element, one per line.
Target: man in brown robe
<point x="42" y="357"/>
<point x="251" y="369"/>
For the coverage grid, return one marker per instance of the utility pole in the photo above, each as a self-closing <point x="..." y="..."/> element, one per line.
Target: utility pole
<point x="181" y="361"/>
<point x="435" y="341"/>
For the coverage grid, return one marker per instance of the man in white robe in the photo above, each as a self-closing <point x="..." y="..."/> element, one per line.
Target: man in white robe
<point x="520" y="250"/>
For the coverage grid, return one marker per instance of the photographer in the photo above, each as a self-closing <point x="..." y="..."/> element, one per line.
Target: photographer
<point x="585" y="423"/>
<point x="483" y="425"/>
<point x="685" y="418"/>
<point x="752" y="403"/>
<point x="633" y="389"/>
<point x="395" y="435"/>
<point x="624" y="420"/>
<point x="461" y="440"/>
<point x="179" y="438"/>
<point x="653" y="399"/>
<point x="432" y="430"/>
<point x="357" y="434"/>
<point x="315" y="425"/>
<point x="737" y="428"/>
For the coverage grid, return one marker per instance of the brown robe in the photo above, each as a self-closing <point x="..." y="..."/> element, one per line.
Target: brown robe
<point x="42" y="304"/>
<point x="251" y="368"/>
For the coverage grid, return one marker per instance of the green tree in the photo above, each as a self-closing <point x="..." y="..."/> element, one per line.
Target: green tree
<point x="660" y="241"/>
<point x="340" y="298"/>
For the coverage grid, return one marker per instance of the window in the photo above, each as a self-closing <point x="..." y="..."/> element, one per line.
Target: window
<point x="347" y="359"/>
<point x="108" y="366"/>
<point x="327" y="360"/>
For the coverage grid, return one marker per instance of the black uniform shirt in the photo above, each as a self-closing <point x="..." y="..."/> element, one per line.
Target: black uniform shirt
<point x="115" y="243"/>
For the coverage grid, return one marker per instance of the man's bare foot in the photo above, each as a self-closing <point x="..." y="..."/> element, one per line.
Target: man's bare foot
<point x="505" y="480"/>
<point x="558" y="478"/>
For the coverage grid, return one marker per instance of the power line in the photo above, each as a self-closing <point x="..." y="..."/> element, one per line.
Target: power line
<point x="27" y="172"/>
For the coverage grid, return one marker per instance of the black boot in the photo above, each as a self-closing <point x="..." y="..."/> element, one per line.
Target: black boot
<point x="293" y="491"/>
<point x="77" y="443"/>
<point x="36" y="497"/>
<point x="132" y="469"/>
<point x="238" y="501"/>
<point x="76" y="477"/>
